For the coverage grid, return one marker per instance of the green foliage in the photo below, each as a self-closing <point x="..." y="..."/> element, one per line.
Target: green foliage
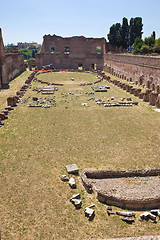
<point x="135" y="29"/>
<point x="145" y="49"/>
<point x="124" y="35"/>
<point x="137" y="45"/>
<point x="29" y="53"/>
<point x="115" y="35"/>
<point x="149" y="45"/>
<point x="150" y="41"/>
<point x="156" y="48"/>
<point x="31" y="47"/>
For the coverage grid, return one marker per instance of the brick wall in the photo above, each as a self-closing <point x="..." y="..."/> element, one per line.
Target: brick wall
<point x="11" y="64"/>
<point x="81" y="51"/>
<point x="133" y="67"/>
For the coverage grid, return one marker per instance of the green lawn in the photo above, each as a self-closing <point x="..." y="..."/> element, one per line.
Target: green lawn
<point x="37" y="144"/>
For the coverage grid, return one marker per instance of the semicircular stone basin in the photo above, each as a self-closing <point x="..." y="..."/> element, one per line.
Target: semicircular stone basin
<point x="131" y="189"/>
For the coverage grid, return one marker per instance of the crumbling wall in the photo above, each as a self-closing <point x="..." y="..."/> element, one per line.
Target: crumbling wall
<point x="134" y="66"/>
<point x="71" y="53"/>
<point x="11" y="64"/>
<point x="2" y="56"/>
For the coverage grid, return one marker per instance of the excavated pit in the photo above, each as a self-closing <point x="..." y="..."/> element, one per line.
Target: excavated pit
<point x="131" y="189"/>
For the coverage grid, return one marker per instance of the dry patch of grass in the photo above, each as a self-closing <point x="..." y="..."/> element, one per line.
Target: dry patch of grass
<point x="37" y="143"/>
<point x="14" y="86"/>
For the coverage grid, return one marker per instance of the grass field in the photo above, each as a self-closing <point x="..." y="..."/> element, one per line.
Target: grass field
<point x="37" y="143"/>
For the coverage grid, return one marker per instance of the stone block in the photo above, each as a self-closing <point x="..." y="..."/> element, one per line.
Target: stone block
<point x="11" y="101"/>
<point x="77" y="202"/>
<point x="153" y="98"/>
<point x="64" y="178"/>
<point x="146" y="216"/>
<point x="128" y="219"/>
<point x="89" y="213"/>
<point x="72" y="169"/>
<point x="141" y="95"/>
<point x="3" y="116"/>
<point x="146" y="95"/>
<point x="126" y="214"/>
<point x="72" y="183"/>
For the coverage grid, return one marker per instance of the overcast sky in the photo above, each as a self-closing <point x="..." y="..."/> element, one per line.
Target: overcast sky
<point x="30" y="20"/>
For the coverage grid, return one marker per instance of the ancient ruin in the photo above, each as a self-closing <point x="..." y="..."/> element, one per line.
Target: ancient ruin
<point x="11" y="64"/>
<point x="131" y="189"/>
<point x="71" y="53"/>
<point x="141" y="69"/>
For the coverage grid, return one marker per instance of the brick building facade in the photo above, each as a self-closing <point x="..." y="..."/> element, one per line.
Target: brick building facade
<point x="72" y="53"/>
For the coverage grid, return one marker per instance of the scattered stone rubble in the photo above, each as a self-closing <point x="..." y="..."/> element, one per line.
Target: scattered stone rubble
<point x="76" y="198"/>
<point x="42" y="102"/>
<point x="128" y="217"/>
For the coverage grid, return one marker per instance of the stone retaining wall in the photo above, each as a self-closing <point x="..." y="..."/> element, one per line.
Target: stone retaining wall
<point x="134" y="66"/>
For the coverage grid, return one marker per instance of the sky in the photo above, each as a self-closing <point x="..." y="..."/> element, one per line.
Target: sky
<point x="30" y="20"/>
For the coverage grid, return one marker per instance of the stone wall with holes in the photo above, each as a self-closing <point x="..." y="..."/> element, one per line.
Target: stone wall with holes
<point x="71" y="53"/>
<point x="133" y="67"/>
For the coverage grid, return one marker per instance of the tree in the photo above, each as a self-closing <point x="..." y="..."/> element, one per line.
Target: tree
<point x="33" y="54"/>
<point x="135" y="29"/>
<point x="137" y="45"/>
<point x="114" y="36"/>
<point x="125" y="33"/>
<point x="149" y="41"/>
<point x="156" y="47"/>
<point x="154" y="35"/>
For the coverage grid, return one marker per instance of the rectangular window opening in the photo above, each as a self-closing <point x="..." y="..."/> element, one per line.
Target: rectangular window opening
<point x="66" y="50"/>
<point x="99" y="49"/>
<point x="52" y="49"/>
<point x="80" y="66"/>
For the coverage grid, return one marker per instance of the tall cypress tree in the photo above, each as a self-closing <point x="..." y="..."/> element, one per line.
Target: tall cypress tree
<point x="115" y="35"/>
<point x="135" y="29"/>
<point x="125" y="33"/>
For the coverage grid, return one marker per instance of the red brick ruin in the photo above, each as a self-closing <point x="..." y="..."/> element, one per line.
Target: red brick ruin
<point x="11" y="64"/>
<point x="72" y="53"/>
